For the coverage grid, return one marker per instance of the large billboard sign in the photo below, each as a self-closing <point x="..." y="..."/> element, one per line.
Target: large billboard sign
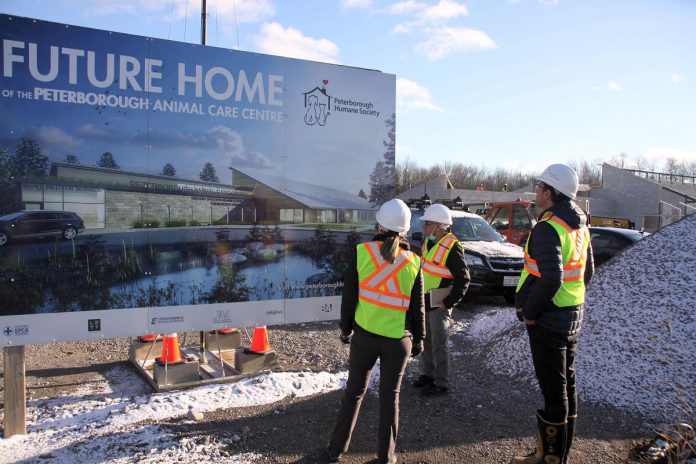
<point x="150" y="186"/>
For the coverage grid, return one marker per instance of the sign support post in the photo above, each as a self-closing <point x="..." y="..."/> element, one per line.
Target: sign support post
<point x="15" y="392"/>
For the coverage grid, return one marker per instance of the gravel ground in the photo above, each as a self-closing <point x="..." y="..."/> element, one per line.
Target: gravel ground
<point x="486" y="418"/>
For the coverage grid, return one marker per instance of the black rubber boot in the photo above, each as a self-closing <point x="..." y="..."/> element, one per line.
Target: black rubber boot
<point x="550" y="446"/>
<point x="570" y="431"/>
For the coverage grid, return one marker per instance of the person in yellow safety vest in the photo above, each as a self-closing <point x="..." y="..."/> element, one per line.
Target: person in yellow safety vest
<point x="382" y="317"/>
<point x="558" y="264"/>
<point x="443" y="267"/>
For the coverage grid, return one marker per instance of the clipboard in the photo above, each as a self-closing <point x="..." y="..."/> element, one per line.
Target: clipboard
<point x="437" y="295"/>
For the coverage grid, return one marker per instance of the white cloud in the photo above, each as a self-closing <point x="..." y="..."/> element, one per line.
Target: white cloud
<point x="446" y="40"/>
<point x="677" y="78"/>
<point x="278" y="40"/>
<point x="426" y="16"/>
<point x="548" y="2"/>
<point x="662" y="153"/>
<point x="227" y="140"/>
<point x="405" y="7"/>
<point x="444" y="10"/>
<point x="614" y="86"/>
<point x="412" y="96"/>
<point x="611" y="86"/>
<point x="356" y="3"/>
<point x="52" y="139"/>
<point x="251" y="160"/>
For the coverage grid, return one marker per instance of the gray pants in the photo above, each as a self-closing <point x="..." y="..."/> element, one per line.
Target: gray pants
<point x="393" y="356"/>
<point x="436" y="356"/>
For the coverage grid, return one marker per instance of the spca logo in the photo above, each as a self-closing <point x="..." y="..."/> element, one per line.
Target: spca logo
<point x="317" y="105"/>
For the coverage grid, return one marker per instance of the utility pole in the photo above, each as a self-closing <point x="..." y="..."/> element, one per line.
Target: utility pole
<point x="203" y="22"/>
<point x="203" y="347"/>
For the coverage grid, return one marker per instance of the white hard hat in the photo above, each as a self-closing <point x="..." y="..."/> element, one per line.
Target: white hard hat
<point x="394" y="215"/>
<point x="562" y="178"/>
<point x="437" y="213"/>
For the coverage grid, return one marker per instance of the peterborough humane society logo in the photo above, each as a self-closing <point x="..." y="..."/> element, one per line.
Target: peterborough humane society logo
<point x="318" y="105"/>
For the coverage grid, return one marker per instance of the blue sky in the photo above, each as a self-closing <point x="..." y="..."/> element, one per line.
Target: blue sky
<point x="498" y="83"/>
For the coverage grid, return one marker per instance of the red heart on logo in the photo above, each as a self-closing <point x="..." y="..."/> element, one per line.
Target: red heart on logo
<point x="325" y="81"/>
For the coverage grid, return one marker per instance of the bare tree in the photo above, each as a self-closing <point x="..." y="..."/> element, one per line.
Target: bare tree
<point x="619" y="160"/>
<point x="642" y="164"/>
<point x="672" y="167"/>
<point x="691" y="168"/>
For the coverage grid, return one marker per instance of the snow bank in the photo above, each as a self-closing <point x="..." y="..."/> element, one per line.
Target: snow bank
<point x="637" y="350"/>
<point x="117" y="428"/>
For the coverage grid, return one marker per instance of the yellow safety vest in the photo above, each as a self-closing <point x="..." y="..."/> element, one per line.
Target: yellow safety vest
<point x="434" y="260"/>
<point x="384" y="289"/>
<point x="574" y="246"/>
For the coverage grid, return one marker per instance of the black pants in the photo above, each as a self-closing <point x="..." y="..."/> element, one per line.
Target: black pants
<point x="553" y="355"/>
<point x="393" y="356"/>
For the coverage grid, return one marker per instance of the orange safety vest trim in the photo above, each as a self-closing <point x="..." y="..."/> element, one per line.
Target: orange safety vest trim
<point x="574" y="269"/>
<point x="381" y="288"/>
<point x="435" y="266"/>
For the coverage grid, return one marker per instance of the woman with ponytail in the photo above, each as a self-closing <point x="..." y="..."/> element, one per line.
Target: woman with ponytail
<point x="382" y="317"/>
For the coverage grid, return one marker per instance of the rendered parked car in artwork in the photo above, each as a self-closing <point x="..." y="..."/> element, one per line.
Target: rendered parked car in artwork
<point x="35" y="224"/>
<point x="494" y="264"/>
<point x="607" y="242"/>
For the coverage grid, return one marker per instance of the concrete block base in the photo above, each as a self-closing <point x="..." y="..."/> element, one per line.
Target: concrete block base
<point x="174" y="374"/>
<point x="139" y="350"/>
<point x="226" y="341"/>
<point x="247" y="363"/>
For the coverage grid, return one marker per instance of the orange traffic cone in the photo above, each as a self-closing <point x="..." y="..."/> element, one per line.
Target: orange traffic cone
<point x="170" y="350"/>
<point x="259" y="343"/>
<point x="227" y="330"/>
<point x="148" y="338"/>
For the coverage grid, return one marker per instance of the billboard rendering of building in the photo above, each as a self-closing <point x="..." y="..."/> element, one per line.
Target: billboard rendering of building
<point x="202" y="176"/>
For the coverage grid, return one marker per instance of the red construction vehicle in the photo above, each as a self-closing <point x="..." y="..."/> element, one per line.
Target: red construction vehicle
<point x="512" y="219"/>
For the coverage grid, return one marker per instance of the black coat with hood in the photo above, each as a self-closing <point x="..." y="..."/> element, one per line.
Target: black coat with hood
<point x="536" y="295"/>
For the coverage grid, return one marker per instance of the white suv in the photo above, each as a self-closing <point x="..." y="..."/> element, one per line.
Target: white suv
<point x="494" y="264"/>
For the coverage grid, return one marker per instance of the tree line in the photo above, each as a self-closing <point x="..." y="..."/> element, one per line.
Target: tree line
<point x="410" y="174"/>
<point x="670" y="165"/>
<point x="28" y="161"/>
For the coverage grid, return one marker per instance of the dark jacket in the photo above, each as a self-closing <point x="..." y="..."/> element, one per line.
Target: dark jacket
<point x="415" y="316"/>
<point x="457" y="266"/>
<point x="535" y="296"/>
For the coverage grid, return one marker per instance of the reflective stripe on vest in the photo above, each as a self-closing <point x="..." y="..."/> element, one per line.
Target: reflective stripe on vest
<point x="434" y="268"/>
<point x="574" y="246"/>
<point x="384" y="292"/>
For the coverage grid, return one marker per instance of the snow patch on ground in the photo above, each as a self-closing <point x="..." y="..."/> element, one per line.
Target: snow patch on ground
<point x="117" y="428"/>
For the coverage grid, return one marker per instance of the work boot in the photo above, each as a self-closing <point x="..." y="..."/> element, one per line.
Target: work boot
<point x="550" y="445"/>
<point x="423" y="381"/>
<point x="570" y="431"/>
